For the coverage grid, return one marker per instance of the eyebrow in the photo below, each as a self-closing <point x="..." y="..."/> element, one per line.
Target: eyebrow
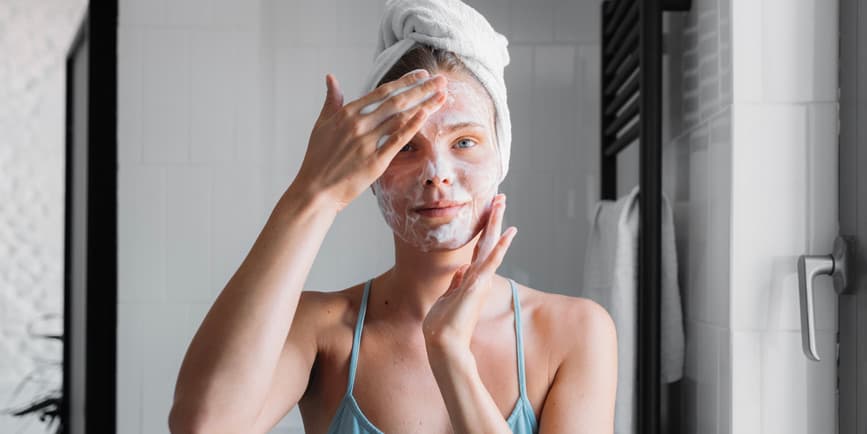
<point x="460" y="125"/>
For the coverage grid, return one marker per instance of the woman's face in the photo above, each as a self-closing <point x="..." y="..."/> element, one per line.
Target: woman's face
<point x="451" y="158"/>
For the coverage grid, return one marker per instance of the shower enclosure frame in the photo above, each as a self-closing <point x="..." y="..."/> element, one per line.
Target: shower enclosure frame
<point x="89" y="388"/>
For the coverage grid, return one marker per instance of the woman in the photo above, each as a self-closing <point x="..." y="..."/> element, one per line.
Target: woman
<point x="448" y="345"/>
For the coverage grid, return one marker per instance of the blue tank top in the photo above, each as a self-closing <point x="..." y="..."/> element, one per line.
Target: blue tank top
<point x="349" y="418"/>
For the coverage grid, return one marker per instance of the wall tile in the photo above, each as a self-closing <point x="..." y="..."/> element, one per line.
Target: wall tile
<point x="800" y="49"/>
<point x="747" y="382"/>
<point x="775" y="139"/>
<point x="130" y="357"/>
<point x="142" y="13"/>
<point x="188" y="249"/>
<point x="240" y="15"/>
<point x="577" y="21"/>
<point x="783" y="400"/>
<point x="166" y="99"/>
<point x="354" y="16"/>
<point x="164" y="346"/>
<point x="747" y="54"/>
<point x="304" y="23"/>
<point x="825" y="15"/>
<point x="141" y="233"/>
<point x="129" y="94"/>
<point x="250" y="145"/>
<point x="213" y="84"/>
<point x="554" y="66"/>
<point x="187" y="13"/>
<point x="532" y="22"/>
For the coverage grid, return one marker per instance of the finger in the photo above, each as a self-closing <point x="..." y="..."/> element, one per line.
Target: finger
<point x="457" y="278"/>
<point x="485" y="241"/>
<point x="333" y="96"/>
<point x="382" y="92"/>
<point x="493" y="261"/>
<point x="403" y="127"/>
<point x="493" y="230"/>
<point x="409" y="98"/>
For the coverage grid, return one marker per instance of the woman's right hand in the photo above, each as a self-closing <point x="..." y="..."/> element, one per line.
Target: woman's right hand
<point x="342" y="157"/>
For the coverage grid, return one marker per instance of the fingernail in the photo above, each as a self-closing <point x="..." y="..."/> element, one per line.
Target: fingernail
<point x="417" y="73"/>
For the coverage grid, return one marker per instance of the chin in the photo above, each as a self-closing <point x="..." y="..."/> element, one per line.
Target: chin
<point x="441" y="238"/>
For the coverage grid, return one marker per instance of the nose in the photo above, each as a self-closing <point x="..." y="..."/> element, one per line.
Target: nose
<point x="436" y="180"/>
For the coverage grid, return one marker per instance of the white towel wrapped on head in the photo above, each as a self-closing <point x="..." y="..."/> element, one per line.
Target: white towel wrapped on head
<point x="454" y="26"/>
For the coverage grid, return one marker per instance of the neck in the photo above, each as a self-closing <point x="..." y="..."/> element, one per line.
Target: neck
<point x="407" y="291"/>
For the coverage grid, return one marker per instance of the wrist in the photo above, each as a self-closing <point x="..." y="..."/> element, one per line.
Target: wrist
<point x="450" y="357"/>
<point x="307" y="200"/>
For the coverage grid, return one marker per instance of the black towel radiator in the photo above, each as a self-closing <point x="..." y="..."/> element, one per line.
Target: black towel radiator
<point x="631" y="99"/>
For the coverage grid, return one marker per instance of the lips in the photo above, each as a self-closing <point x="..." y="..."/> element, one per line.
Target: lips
<point x="437" y="205"/>
<point x="439" y="209"/>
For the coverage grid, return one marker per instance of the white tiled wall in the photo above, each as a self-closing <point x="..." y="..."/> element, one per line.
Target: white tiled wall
<point x="191" y="191"/>
<point x="216" y="103"/>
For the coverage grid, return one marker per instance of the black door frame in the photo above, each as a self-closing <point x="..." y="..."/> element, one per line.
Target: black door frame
<point x="90" y="226"/>
<point x="852" y="351"/>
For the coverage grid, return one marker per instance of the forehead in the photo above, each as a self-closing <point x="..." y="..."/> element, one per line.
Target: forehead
<point x="466" y="101"/>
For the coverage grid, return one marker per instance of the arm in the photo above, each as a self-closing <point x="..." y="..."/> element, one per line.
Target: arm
<point x="581" y="397"/>
<point x="229" y="367"/>
<point x="471" y="408"/>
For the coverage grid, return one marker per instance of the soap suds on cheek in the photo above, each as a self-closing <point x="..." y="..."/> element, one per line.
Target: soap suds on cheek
<point x="401" y="188"/>
<point x="398" y="193"/>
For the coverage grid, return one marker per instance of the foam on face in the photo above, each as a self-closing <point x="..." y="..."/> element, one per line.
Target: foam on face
<point x="467" y="175"/>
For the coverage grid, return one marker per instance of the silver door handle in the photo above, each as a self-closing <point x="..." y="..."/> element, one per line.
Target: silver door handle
<point x="810" y="266"/>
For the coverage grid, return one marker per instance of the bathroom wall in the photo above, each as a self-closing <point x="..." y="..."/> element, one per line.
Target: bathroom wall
<point x="216" y="103"/>
<point x="191" y="182"/>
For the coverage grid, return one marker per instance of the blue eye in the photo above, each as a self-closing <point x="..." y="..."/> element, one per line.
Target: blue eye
<point x="467" y="140"/>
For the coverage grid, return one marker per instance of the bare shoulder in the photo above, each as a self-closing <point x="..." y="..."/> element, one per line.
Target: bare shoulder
<point x="567" y="322"/>
<point x="324" y="311"/>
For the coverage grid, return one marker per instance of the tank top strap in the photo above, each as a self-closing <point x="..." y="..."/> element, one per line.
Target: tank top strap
<point x="356" y="338"/>
<point x="522" y="380"/>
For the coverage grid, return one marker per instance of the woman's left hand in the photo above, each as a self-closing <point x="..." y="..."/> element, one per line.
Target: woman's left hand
<point x="450" y="322"/>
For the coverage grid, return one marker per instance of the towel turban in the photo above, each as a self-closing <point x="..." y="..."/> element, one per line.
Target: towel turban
<point x="454" y="26"/>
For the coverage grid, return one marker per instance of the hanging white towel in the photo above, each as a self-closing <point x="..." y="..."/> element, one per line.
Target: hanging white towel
<point x="611" y="279"/>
